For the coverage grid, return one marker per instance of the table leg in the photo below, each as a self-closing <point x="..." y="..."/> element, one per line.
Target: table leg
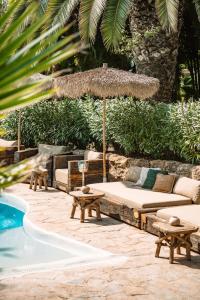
<point x="158" y="249"/>
<point x="31" y="182"/>
<point x="89" y="212"/>
<point x="171" y="251"/>
<point x="74" y="205"/>
<point x="98" y="213"/>
<point x="45" y="183"/>
<point x="35" y="183"/>
<point x="40" y="182"/>
<point x="82" y="215"/>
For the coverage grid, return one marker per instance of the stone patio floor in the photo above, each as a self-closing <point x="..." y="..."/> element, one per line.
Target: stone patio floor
<point x="141" y="276"/>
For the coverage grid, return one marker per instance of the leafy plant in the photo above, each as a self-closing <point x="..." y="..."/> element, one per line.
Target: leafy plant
<point x="23" y="53"/>
<point x="158" y="130"/>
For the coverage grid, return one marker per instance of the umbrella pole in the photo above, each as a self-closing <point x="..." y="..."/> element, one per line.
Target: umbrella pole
<point x="19" y="132"/>
<point x="104" y="140"/>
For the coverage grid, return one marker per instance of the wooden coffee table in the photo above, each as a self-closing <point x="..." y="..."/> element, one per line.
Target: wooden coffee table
<point x="174" y="237"/>
<point x="86" y="201"/>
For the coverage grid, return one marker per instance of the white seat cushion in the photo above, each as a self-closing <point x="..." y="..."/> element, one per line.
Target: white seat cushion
<point x="92" y="155"/>
<point x="188" y="213"/>
<point x="61" y="175"/>
<point x="135" y="197"/>
<point x="4" y="143"/>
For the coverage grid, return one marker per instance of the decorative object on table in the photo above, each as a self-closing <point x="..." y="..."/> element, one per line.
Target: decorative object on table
<point x="83" y="168"/>
<point x="105" y="83"/>
<point x="39" y="177"/>
<point x="174" y="221"/>
<point x="85" y="189"/>
<point x="86" y="201"/>
<point x="174" y="238"/>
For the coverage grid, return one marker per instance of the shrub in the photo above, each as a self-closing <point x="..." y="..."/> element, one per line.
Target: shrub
<point x="159" y="130"/>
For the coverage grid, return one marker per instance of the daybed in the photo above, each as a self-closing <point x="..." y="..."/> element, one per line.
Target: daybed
<point x="129" y="203"/>
<point x="187" y="214"/>
<point x="66" y="173"/>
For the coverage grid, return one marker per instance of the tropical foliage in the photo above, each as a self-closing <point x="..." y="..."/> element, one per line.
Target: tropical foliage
<point x="23" y="53"/>
<point x="110" y="15"/>
<point x="139" y="128"/>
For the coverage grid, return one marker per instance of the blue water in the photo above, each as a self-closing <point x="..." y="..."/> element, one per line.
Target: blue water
<point x="10" y="217"/>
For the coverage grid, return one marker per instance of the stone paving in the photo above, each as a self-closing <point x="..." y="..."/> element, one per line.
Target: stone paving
<point x="141" y="276"/>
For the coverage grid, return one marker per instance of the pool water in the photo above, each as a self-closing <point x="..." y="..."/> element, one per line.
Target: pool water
<point x="25" y="248"/>
<point x="10" y="217"/>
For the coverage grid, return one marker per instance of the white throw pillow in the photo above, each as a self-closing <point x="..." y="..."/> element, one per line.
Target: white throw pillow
<point x="133" y="174"/>
<point x="143" y="176"/>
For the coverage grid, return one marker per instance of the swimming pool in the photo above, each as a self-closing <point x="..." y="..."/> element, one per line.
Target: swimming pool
<point x="25" y="248"/>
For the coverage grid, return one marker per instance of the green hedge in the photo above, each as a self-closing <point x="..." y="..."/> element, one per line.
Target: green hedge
<point x="154" y="129"/>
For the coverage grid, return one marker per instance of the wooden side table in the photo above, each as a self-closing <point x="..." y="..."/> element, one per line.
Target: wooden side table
<point x="174" y="237"/>
<point x="39" y="177"/>
<point x="86" y="201"/>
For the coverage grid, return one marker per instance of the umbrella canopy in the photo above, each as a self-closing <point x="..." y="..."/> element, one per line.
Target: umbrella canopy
<point x="106" y="82"/>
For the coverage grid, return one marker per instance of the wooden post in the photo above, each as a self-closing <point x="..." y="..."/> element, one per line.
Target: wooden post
<point x="104" y="140"/>
<point x="19" y="132"/>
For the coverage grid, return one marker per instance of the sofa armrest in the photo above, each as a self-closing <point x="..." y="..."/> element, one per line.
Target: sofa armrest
<point x="93" y="175"/>
<point x="61" y="161"/>
<point x="23" y="154"/>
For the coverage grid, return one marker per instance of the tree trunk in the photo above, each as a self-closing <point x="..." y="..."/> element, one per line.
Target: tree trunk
<point x="154" y="49"/>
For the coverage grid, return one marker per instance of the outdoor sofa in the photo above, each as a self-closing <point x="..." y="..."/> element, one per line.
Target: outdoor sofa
<point x="48" y="152"/>
<point x="7" y="151"/>
<point x="130" y="203"/>
<point x="66" y="175"/>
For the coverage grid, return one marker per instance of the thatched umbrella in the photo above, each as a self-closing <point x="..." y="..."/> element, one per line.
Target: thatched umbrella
<point x="105" y="83"/>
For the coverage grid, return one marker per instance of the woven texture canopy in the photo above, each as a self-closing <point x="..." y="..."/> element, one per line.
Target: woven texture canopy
<point x="106" y="82"/>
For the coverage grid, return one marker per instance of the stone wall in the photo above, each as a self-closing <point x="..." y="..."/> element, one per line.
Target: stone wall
<point x="118" y="166"/>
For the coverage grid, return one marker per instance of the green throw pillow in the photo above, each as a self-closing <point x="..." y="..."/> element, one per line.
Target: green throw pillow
<point x="151" y="178"/>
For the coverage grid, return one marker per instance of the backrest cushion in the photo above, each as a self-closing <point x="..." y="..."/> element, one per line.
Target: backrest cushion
<point x="164" y="183"/>
<point x="143" y="175"/>
<point x="133" y="174"/>
<point x="92" y="155"/>
<point x="4" y="143"/>
<point x="151" y="178"/>
<point x="51" y="149"/>
<point x="188" y="187"/>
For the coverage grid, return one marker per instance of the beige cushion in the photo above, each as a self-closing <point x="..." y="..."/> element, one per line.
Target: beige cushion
<point x="133" y="174"/>
<point x="164" y="183"/>
<point x="188" y="213"/>
<point x="92" y="155"/>
<point x="61" y="175"/>
<point x="4" y="143"/>
<point x="188" y="187"/>
<point x="135" y="197"/>
<point x="51" y="149"/>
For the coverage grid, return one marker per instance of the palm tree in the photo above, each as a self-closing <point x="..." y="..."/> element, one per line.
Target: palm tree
<point x="154" y="24"/>
<point x="24" y="53"/>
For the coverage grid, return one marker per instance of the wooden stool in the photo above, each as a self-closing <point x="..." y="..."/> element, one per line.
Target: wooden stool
<point x="39" y="177"/>
<point x="86" y="201"/>
<point x="174" y="237"/>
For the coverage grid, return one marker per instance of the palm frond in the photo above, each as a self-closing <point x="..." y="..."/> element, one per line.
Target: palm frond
<point x="167" y="11"/>
<point x="90" y="14"/>
<point x="19" y="59"/>
<point x="64" y="10"/>
<point x="197" y="6"/>
<point x="114" y="21"/>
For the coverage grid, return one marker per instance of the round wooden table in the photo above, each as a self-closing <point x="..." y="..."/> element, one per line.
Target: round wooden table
<point x="86" y="201"/>
<point x="174" y="237"/>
